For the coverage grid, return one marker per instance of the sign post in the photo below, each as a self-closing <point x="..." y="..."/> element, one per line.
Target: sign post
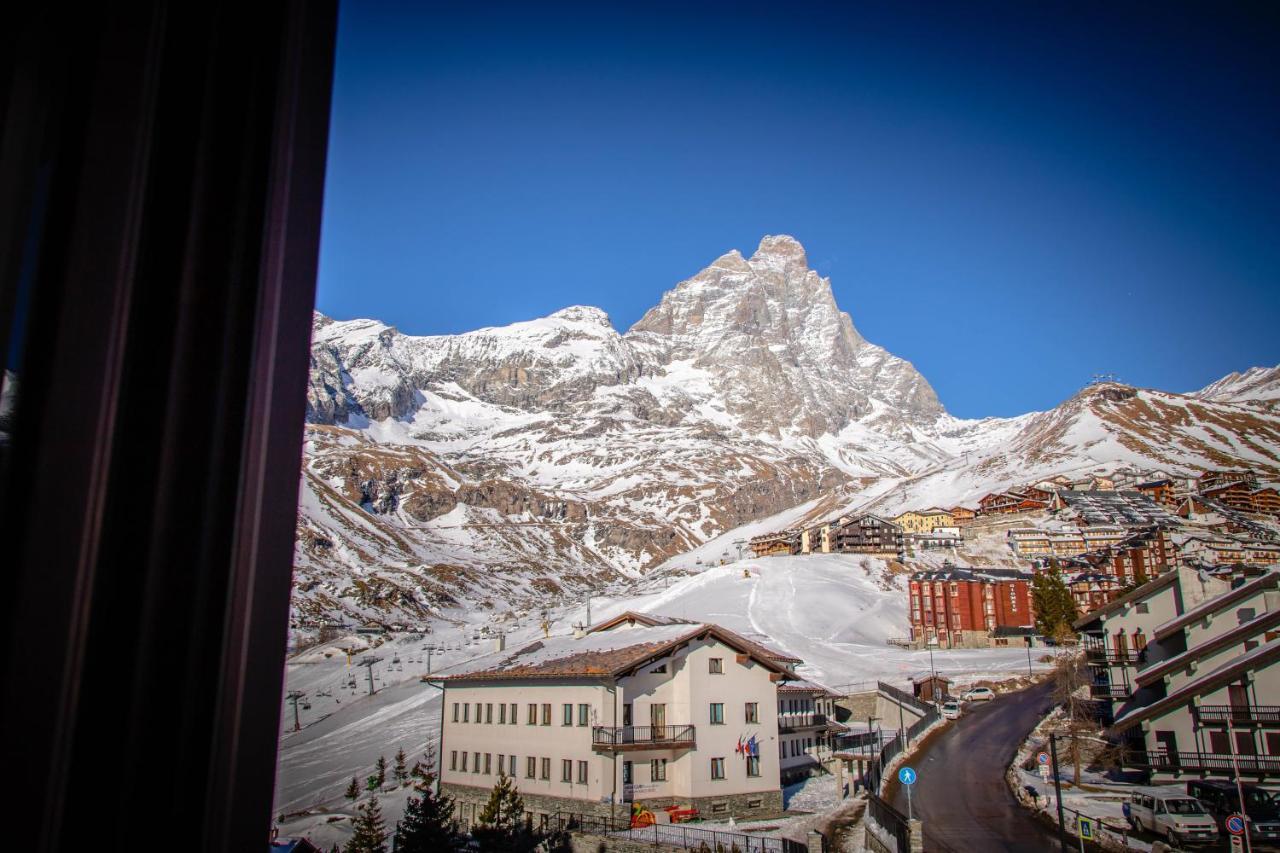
<point x="907" y="777"/>
<point x="1236" y="825"/>
<point x="1084" y="830"/>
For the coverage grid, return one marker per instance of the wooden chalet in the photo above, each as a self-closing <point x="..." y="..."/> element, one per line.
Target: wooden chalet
<point x="1267" y="500"/>
<point x="1008" y="503"/>
<point x="1160" y="491"/>
<point x="1213" y="479"/>
<point x="774" y="544"/>
<point x="867" y="534"/>
<point x="962" y="515"/>
<point x="1237" y="495"/>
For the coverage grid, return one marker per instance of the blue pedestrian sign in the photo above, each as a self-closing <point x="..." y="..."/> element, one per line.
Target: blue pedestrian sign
<point x="907" y="776"/>
<point x="1086" y="827"/>
<point x="1235" y="824"/>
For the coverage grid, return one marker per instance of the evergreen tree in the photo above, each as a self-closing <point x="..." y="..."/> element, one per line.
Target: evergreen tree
<point x="502" y="826"/>
<point x="370" y="833"/>
<point x="353" y="790"/>
<point x="1051" y="600"/>
<point x="381" y="768"/>
<point x="371" y="782"/>
<point x="399" y="770"/>
<point x="427" y="825"/>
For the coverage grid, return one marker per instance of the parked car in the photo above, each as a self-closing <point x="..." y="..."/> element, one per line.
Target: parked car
<point x="978" y="694"/>
<point x="1220" y="800"/>
<point x="951" y="709"/>
<point x="1174" y="816"/>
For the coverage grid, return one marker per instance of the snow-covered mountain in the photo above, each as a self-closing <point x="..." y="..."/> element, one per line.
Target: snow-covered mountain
<point x="506" y="466"/>
<point x="1258" y="387"/>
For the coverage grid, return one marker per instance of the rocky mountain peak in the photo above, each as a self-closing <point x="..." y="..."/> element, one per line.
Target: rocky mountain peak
<point x="781" y="250"/>
<point x="583" y="314"/>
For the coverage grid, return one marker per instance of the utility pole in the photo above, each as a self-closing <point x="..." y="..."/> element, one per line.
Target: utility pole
<point x="294" y="696"/>
<point x="1057" y="788"/>
<point x="368" y="664"/>
<point x="1235" y="767"/>
<point x="430" y="649"/>
<point x="1028" y="638"/>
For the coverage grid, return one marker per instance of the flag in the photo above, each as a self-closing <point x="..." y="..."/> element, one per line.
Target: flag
<point x="738" y="749"/>
<point x="753" y="748"/>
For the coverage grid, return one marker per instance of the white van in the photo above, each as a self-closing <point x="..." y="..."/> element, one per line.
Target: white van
<point x="1172" y="815"/>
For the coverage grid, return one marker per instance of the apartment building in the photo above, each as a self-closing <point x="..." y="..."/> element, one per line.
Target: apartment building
<point x="924" y="520"/>
<point x="1207" y="697"/>
<point x="959" y="607"/>
<point x="641" y="709"/>
<point x="1115" y="636"/>
<point x="807" y="728"/>
<point x="1031" y="542"/>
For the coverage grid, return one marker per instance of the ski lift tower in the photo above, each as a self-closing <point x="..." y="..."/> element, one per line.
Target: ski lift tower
<point x="739" y="543"/>
<point x="368" y="664"/>
<point x="293" y="696"/>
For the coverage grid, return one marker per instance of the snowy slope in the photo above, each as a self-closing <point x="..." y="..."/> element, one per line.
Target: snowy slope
<point x="1257" y="386"/>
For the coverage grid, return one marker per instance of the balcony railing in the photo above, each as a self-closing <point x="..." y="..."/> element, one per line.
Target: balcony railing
<point x="1101" y="654"/>
<point x="642" y="737"/>
<point x="1238" y="715"/>
<point x="1212" y="762"/>
<point x="1109" y="691"/>
<point x="792" y="722"/>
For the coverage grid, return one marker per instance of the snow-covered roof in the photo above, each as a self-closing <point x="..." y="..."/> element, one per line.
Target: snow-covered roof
<point x="612" y="652"/>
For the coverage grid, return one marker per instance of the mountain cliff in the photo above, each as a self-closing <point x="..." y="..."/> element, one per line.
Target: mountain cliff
<point x="513" y="466"/>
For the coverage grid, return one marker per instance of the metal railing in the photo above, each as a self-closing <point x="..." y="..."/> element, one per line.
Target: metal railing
<point x="1213" y="762"/>
<point x="1238" y="715"/>
<point x="1109" y="691"/>
<point x="1094" y="654"/>
<point x="790" y="722"/>
<point x="675" y="835"/>
<point x="903" y="697"/>
<point x="893" y="822"/>
<point x="642" y="736"/>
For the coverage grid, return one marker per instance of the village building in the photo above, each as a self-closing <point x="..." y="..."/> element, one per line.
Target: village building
<point x="1207" y="693"/>
<point x="1115" y="636"/>
<point x="962" y="515"/>
<point x="1032" y="542"/>
<point x="1160" y="491"/>
<point x="864" y="534"/>
<point x="1215" y="479"/>
<point x="775" y="544"/>
<point x="931" y="687"/>
<point x="1128" y="509"/>
<point x="807" y="728"/>
<point x="1238" y="495"/>
<point x="639" y="710"/>
<point x="958" y="607"/>
<point x="1009" y="503"/>
<point x="1092" y="590"/>
<point x="1266" y="501"/>
<point x="925" y="520"/>
<point x="939" y="537"/>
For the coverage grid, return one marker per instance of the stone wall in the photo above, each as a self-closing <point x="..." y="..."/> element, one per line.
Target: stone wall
<point x="469" y="801"/>
<point x="859" y="705"/>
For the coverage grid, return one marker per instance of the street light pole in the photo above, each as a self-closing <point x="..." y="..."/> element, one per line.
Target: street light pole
<point x="1057" y="788"/>
<point x="1235" y="768"/>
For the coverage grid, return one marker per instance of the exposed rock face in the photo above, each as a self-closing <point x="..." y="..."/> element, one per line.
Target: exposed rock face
<point x="557" y="456"/>
<point x="781" y="354"/>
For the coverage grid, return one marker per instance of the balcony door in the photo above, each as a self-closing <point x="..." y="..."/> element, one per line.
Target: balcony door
<point x="658" y="719"/>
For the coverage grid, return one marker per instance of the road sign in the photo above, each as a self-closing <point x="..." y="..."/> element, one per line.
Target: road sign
<point x="907" y="776"/>
<point x="1235" y="824"/>
<point x="1237" y="844"/>
<point x="1044" y="772"/>
<point x="1043" y="758"/>
<point x="1086" y="827"/>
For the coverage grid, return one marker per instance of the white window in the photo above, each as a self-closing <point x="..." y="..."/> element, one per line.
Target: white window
<point x="658" y="770"/>
<point x="717" y="713"/>
<point x="717" y="768"/>
<point x="715" y="666"/>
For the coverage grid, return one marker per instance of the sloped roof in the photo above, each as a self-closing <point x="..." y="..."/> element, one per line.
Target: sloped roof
<point x="610" y="654"/>
<point x="1217" y="603"/>
<point x="1126" y="508"/>
<point x="1262" y="656"/>
<point x="1154" y="585"/>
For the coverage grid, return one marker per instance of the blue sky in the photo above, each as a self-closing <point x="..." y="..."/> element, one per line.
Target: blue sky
<point x="1012" y="199"/>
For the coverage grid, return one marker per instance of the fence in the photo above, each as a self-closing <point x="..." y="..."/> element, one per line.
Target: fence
<point x="1117" y="828"/>
<point x="894" y="826"/>
<point x="902" y="697"/>
<point x="675" y="835"/>
<point x="895" y="745"/>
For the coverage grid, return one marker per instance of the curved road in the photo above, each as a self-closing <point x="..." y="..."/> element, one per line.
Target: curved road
<point x="961" y="794"/>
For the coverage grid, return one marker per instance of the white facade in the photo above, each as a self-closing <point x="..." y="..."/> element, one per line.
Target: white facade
<point x="665" y="731"/>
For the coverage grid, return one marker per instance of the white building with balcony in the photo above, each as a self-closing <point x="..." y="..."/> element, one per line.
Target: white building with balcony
<point x="642" y="712"/>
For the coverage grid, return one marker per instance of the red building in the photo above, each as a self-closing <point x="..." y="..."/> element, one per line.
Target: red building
<point x="959" y="607"/>
<point x="1092" y="590"/>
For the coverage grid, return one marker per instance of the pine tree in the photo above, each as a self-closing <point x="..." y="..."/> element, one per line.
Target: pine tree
<point x="353" y="790"/>
<point x="381" y="768"/>
<point x="427" y="826"/>
<point x="502" y="826"/>
<point x="1054" y="607"/>
<point x="371" y="782"/>
<point x="370" y="833"/>
<point x="399" y="770"/>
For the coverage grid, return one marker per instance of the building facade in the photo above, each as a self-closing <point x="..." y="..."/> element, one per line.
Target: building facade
<point x="641" y="711"/>
<point x="958" y="607"/>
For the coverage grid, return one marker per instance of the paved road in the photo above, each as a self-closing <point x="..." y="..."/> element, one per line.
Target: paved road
<point x="961" y="794"/>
